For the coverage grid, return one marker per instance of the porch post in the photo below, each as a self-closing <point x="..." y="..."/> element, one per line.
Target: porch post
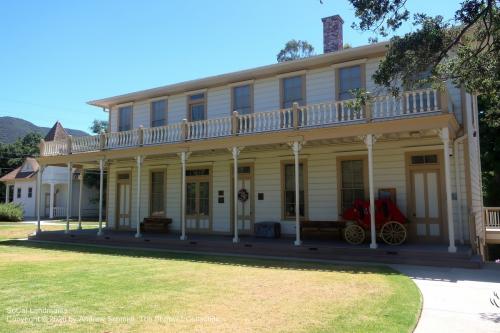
<point x="139" y="159"/>
<point x="68" y="198"/>
<point x="38" y="197"/>
<point x="101" y="185"/>
<point x="369" y="141"/>
<point x="184" y="156"/>
<point x="445" y="137"/>
<point x="236" y="152"/>
<point x="51" y="201"/>
<point x="296" y="147"/>
<point x="80" y="200"/>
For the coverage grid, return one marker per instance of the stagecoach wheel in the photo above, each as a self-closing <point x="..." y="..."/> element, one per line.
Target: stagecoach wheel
<point x="393" y="233"/>
<point x="354" y="234"/>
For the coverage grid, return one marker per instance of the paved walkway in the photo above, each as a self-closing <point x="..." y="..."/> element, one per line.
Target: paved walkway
<point x="457" y="300"/>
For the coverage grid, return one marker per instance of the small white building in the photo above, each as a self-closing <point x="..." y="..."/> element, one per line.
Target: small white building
<point x="21" y="187"/>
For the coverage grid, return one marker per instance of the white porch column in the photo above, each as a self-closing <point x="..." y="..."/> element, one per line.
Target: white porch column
<point x="70" y="191"/>
<point x="445" y="137"/>
<point x="369" y="141"/>
<point x="80" y="200"/>
<point x="51" y="200"/>
<point x="139" y="159"/>
<point x="235" y="152"/>
<point x="184" y="156"/>
<point x="296" y="147"/>
<point x="38" y="197"/>
<point x="101" y="185"/>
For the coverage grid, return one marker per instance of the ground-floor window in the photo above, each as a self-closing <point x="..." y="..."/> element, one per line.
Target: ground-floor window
<point x="157" y="193"/>
<point x="288" y="189"/>
<point x="18" y="192"/>
<point x="352" y="181"/>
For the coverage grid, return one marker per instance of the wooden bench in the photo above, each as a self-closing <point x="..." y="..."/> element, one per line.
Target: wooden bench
<point x="322" y="225"/>
<point x="156" y="224"/>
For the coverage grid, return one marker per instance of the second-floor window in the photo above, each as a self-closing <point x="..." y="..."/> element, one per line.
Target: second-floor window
<point x="125" y="118"/>
<point x="349" y="79"/>
<point x="242" y="99"/>
<point x="159" y="113"/>
<point x="196" y="107"/>
<point x="293" y="90"/>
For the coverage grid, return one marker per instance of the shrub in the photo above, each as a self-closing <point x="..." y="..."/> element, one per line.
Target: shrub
<point x="11" y="212"/>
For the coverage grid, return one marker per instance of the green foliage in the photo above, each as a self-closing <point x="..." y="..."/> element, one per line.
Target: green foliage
<point x="12" y="155"/>
<point x="11" y="212"/>
<point x="465" y="50"/>
<point x="489" y="130"/>
<point x="295" y="49"/>
<point x="99" y="126"/>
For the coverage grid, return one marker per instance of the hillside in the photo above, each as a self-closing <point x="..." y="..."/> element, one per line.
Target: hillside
<point x="12" y="128"/>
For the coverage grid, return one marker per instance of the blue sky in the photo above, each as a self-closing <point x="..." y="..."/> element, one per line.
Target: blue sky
<point x="57" y="55"/>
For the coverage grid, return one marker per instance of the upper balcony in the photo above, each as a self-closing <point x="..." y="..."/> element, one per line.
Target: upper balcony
<point x="415" y="103"/>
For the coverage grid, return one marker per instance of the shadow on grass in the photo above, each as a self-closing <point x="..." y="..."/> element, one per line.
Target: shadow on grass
<point x="206" y="258"/>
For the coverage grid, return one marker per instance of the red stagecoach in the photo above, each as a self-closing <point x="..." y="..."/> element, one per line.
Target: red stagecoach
<point x="389" y="222"/>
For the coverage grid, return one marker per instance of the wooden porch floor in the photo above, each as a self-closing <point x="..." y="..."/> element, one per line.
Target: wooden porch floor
<point x="313" y="248"/>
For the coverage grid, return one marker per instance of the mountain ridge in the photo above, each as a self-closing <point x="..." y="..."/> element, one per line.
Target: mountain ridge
<point x="12" y="128"/>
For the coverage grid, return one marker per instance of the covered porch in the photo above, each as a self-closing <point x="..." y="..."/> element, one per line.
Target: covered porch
<point x="326" y="249"/>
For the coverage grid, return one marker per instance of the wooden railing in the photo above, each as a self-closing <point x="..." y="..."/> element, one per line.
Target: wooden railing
<point x="492" y="217"/>
<point x="408" y="104"/>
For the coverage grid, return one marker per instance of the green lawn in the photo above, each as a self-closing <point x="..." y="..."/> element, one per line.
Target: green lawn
<point x="15" y="230"/>
<point x="64" y="288"/>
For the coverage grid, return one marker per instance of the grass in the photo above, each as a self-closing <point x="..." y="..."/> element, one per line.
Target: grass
<point x="16" y="230"/>
<point x="61" y="288"/>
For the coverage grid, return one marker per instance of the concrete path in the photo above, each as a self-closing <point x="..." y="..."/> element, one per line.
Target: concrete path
<point x="457" y="300"/>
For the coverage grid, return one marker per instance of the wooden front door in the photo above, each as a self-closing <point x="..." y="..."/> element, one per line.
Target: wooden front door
<point x="426" y="205"/>
<point x="198" y="199"/>
<point x="123" y="199"/>
<point x="245" y="207"/>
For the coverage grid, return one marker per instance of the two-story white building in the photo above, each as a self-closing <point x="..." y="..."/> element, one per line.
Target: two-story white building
<point x="218" y="155"/>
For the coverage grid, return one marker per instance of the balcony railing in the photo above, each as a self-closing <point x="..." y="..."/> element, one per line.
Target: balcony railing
<point x="409" y="104"/>
<point x="492" y="217"/>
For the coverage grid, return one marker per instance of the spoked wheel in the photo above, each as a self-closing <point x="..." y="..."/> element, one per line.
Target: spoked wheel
<point x="354" y="234"/>
<point x="393" y="233"/>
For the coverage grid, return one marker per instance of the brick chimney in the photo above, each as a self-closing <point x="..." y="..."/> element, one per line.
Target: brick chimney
<point x="332" y="33"/>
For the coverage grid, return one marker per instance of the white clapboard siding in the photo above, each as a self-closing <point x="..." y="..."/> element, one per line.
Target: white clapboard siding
<point x="320" y="85"/>
<point x="141" y="114"/>
<point x="266" y="95"/>
<point x="218" y="103"/>
<point x="221" y="178"/>
<point x="177" y="108"/>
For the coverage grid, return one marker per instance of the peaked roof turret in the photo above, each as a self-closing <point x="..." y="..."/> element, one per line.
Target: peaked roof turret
<point x="57" y="132"/>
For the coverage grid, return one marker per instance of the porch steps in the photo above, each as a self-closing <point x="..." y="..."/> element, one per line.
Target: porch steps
<point x="276" y="248"/>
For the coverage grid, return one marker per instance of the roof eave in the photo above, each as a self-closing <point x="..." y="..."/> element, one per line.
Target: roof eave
<point x="247" y="74"/>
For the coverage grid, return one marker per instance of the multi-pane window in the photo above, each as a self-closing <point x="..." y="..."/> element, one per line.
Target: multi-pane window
<point x="30" y="192"/>
<point x="158" y="193"/>
<point x="125" y="118"/>
<point x="293" y="91"/>
<point x="349" y="79"/>
<point x="424" y="159"/>
<point x="158" y="113"/>
<point x="289" y="190"/>
<point x="242" y="99"/>
<point x="352" y="182"/>
<point x="196" y="107"/>
<point x="18" y="192"/>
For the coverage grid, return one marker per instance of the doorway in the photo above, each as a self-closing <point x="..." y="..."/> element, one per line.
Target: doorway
<point x="426" y="210"/>
<point x="245" y="195"/>
<point x="124" y="201"/>
<point x="198" y="199"/>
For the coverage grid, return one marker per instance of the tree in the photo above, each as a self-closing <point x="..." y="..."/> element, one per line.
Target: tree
<point x="99" y="126"/>
<point x="489" y="130"/>
<point x="456" y="50"/>
<point x="295" y="49"/>
<point x="12" y="155"/>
